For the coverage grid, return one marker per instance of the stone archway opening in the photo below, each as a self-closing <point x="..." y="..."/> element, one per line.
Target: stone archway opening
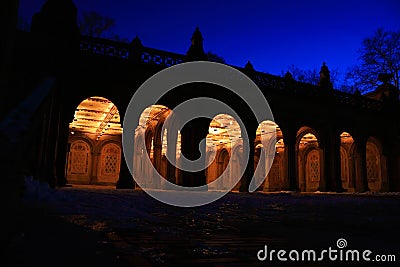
<point x="151" y="141"/>
<point x="347" y="162"/>
<point x="94" y="143"/>
<point x="269" y="138"/>
<point x="376" y="165"/>
<point x="223" y="144"/>
<point x="309" y="160"/>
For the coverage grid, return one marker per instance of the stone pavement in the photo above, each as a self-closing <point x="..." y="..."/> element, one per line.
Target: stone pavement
<point x="107" y="227"/>
<point x="46" y="240"/>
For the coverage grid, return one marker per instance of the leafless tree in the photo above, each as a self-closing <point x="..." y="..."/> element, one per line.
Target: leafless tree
<point x="94" y="24"/>
<point x="379" y="54"/>
<point x="311" y="76"/>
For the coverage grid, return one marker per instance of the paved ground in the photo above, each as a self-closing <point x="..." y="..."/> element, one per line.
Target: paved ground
<point x="106" y="227"/>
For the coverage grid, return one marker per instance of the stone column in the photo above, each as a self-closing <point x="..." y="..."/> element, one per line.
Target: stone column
<point x="191" y="135"/>
<point x="333" y="181"/>
<point x="172" y="139"/>
<point x="61" y="146"/>
<point x="50" y="135"/>
<point x="125" y="180"/>
<point x="290" y="150"/>
<point x="157" y="157"/>
<point x="361" y="165"/>
<point x="249" y="169"/>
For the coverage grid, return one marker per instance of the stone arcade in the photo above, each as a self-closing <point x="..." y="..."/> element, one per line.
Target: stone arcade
<point x="326" y="140"/>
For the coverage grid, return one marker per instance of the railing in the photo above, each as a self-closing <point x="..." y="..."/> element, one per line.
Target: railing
<point x="271" y="82"/>
<point x="104" y="47"/>
<point x="159" y="57"/>
<point x="268" y="81"/>
<point x="109" y="48"/>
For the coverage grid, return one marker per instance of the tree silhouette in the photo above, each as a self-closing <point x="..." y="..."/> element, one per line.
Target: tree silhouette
<point x="310" y="76"/>
<point x="95" y="24"/>
<point x="379" y="54"/>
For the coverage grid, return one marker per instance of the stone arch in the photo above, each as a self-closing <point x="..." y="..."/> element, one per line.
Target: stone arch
<point x="224" y="134"/>
<point x="79" y="162"/>
<point x="139" y="153"/>
<point x="148" y="143"/>
<point x="348" y="162"/>
<point x="96" y="121"/>
<point x="307" y="130"/>
<point x="149" y="138"/>
<point x="344" y="168"/>
<point x="222" y="160"/>
<point x="237" y="163"/>
<point x="276" y="178"/>
<point x="170" y="139"/>
<point x="109" y="163"/>
<point x="158" y="159"/>
<point x="310" y="168"/>
<point x="269" y="155"/>
<point x="375" y="162"/>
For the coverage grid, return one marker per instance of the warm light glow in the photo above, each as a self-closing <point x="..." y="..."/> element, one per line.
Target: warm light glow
<point x="346" y="138"/>
<point x="308" y="138"/>
<point x="165" y="144"/>
<point x="265" y="132"/>
<point x="152" y="114"/>
<point x="224" y="130"/>
<point x="152" y="117"/>
<point x="96" y="116"/>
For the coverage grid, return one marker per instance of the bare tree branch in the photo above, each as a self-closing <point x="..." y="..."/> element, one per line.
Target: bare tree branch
<point x="94" y="24"/>
<point x="378" y="54"/>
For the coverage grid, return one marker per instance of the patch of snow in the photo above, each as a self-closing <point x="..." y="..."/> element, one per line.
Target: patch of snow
<point x="37" y="190"/>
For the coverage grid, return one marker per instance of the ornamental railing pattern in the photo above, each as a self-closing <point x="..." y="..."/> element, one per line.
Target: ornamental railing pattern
<point x="120" y="50"/>
<point x="159" y="57"/>
<point x="125" y="51"/>
<point x="104" y="47"/>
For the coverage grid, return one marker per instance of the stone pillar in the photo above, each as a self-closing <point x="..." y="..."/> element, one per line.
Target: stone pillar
<point x="95" y="167"/>
<point x="41" y="142"/>
<point x="249" y="169"/>
<point x="157" y="157"/>
<point x="290" y="150"/>
<point x="125" y="180"/>
<point x="191" y="135"/>
<point x="333" y="181"/>
<point x="172" y="139"/>
<point x="47" y="170"/>
<point x="62" y="117"/>
<point x="61" y="151"/>
<point x="361" y="165"/>
<point x="394" y="169"/>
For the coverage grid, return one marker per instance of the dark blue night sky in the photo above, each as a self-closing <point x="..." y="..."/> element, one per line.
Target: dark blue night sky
<point x="271" y="34"/>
